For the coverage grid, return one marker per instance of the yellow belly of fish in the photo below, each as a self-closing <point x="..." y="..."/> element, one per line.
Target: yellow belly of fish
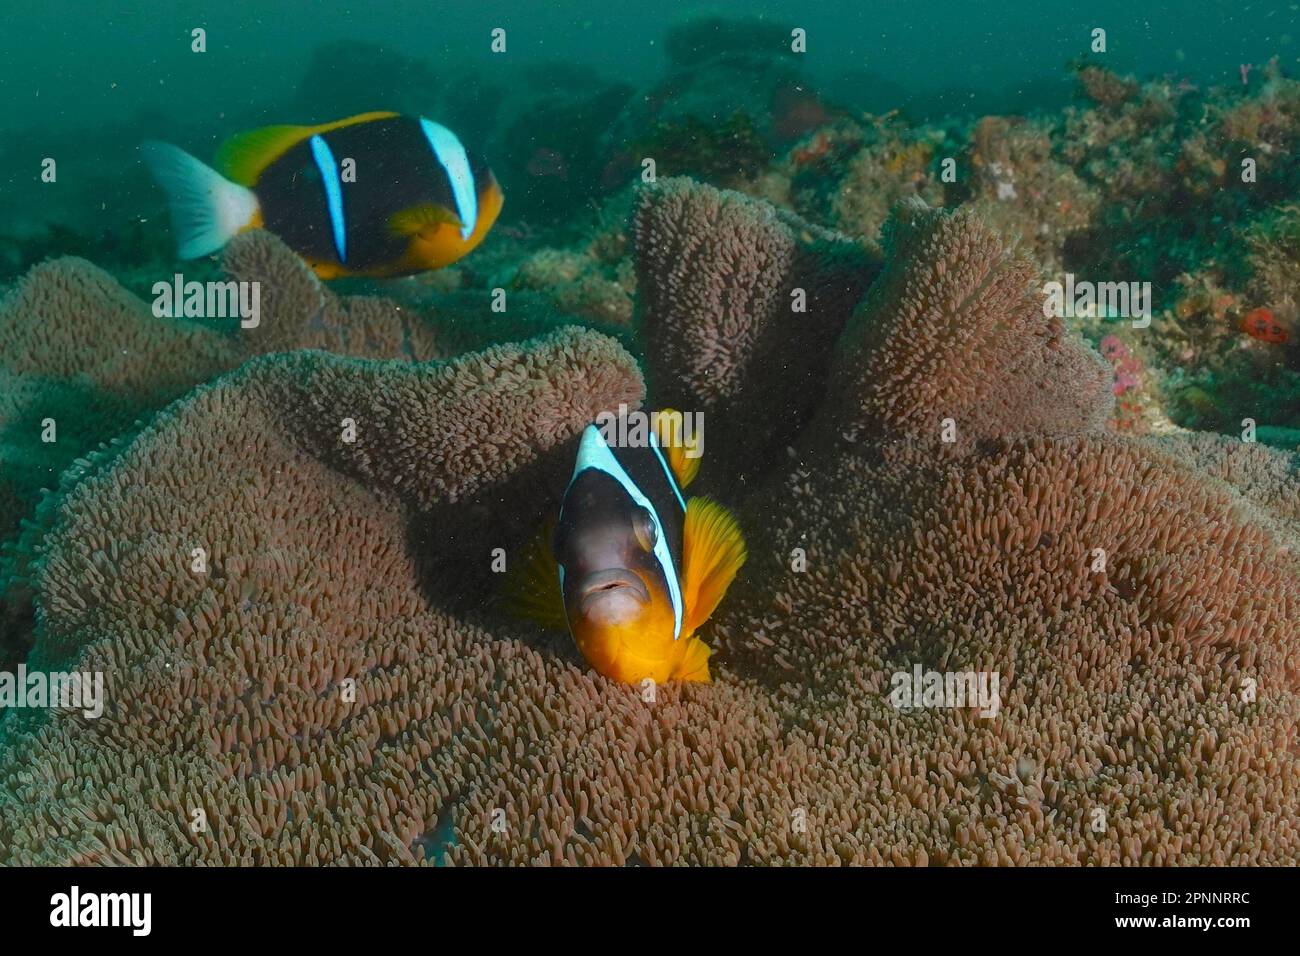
<point x="687" y="659"/>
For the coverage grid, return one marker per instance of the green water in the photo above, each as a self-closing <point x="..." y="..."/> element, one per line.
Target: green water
<point x="84" y="82"/>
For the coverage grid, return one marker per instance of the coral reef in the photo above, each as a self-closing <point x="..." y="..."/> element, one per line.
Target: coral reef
<point x="1022" y="189"/>
<point x="319" y="696"/>
<point x="718" y="68"/>
<point x="582" y="282"/>
<point x="552" y="157"/>
<point x="733" y="93"/>
<point x="1273" y="261"/>
<point x="1155" y="181"/>
<point x="1128" y="385"/>
<point x="897" y="164"/>
<point x="1104" y="87"/>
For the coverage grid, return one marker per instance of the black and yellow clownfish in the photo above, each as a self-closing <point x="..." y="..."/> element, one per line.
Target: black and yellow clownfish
<point x="632" y="567"/>
<point x="410" y="199"/>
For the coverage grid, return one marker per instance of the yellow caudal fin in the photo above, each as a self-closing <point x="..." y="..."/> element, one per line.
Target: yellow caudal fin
<point x="244" y="156"/>
<point x="681" y="451"/>
<point x="713" y="549"/>
<point x="426" y="217"/>
<point x="532" y="583"/>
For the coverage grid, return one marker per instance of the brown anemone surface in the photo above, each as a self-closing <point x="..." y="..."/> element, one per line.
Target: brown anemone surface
<point x="947" y="499"/>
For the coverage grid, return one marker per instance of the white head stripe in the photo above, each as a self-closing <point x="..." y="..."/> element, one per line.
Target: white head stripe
<point x="594" y="453"/>
<point x="451" y="155"/>
<point x="672" y="479"/>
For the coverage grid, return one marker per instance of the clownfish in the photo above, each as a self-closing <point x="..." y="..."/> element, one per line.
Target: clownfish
<point x="375" y="195"/>
<point x="1260" y="324"/>
<point x="630" y="566"/>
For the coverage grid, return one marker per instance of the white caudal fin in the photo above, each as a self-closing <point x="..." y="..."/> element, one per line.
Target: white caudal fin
<point x="207" y="209"/>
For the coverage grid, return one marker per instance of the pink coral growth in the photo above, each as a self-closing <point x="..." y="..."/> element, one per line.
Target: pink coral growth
<point x="1128" y="367"/>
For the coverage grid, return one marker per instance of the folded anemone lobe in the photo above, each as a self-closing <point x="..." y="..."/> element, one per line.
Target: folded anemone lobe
<point x="81" y="360"/>
<point x="84" y="356"/>
<point x="954" y="327"/>
<point x="70" y="319"/>
<point x="78" y="348"/>
<point x="437" y="432"/>
<point x="739" y="305"/>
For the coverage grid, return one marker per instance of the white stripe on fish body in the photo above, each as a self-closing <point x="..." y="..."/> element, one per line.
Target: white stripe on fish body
<point x="329" y="172"/>
<point x="450" y="153"/>
<point x="594" y="453"/>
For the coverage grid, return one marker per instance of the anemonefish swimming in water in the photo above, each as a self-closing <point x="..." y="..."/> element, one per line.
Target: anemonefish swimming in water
<point x="373" y="195"/>
<point x="633" y="567"/>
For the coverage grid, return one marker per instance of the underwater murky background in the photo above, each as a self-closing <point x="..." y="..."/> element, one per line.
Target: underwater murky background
<point x="84" y="81"/>
<point x="78" y="65"/>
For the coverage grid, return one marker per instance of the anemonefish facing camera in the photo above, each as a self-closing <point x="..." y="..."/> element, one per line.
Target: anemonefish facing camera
<point x="633" y="568"/>
<point x="373" y="195"/>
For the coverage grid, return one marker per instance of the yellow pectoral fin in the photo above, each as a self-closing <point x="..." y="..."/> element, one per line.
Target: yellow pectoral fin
<point x="682" y="455"/>
<point x="436" y="247"/>
<point x="713" y="550"/>
<point x="422" y="220"/>
<point x="532" y="583"/>
<point x="244" y="156"/>
<point x="694" y="665"/>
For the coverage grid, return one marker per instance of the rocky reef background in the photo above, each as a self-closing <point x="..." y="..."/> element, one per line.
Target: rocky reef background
<point x="368" y="562"/>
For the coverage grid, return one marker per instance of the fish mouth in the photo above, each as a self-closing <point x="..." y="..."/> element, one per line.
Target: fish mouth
<point x="615" y="587"/>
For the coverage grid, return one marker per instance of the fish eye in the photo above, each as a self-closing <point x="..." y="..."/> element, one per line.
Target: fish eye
<point x="643" y="524"/>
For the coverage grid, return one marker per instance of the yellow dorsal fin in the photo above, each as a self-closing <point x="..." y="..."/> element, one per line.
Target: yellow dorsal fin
<point x="416" y="219"/>
<point x="244" y="156"/>
<point x="681" y="451"/>
<point x="713" y="549"/>
<point x="532" y="583"/>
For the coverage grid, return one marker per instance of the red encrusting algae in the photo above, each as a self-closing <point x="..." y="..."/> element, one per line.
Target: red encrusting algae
<point x="1261" y="324"/>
